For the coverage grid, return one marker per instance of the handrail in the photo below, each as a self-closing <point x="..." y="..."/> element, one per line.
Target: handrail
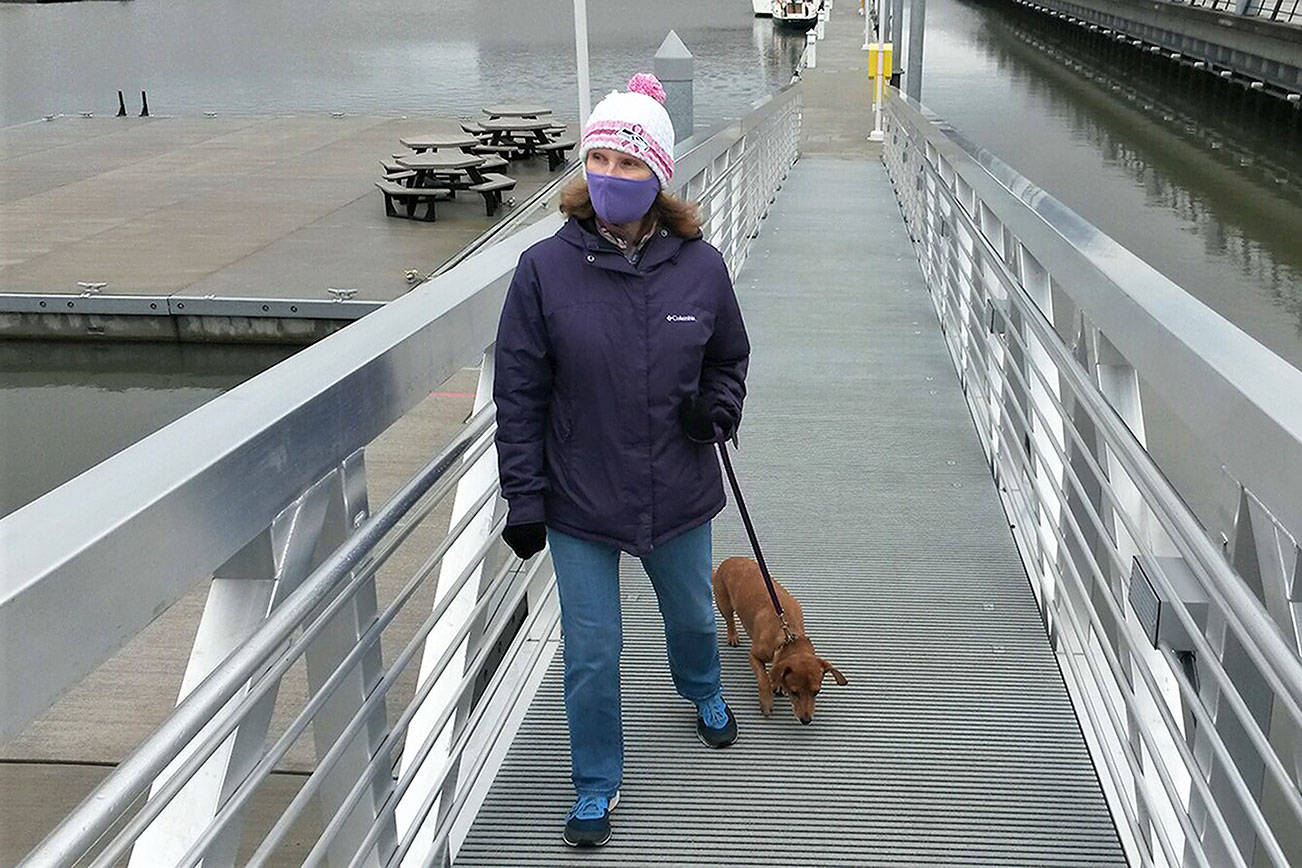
<point x="97" y="812"/>
<point x="1000" y="255"/>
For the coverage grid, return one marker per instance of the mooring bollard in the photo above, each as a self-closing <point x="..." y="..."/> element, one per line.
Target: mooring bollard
<point x="144" y="105"/>
<point x="819" y="28"/>
<point x="811" y="50"/>
<point x="122" y="106"/>
<point x="675" y="67"/>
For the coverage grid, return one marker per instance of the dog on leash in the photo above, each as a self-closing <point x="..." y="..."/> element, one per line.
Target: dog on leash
<point x="780" y="666"/>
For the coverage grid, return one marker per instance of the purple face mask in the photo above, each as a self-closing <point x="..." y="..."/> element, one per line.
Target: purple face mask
<point x="622" y="200"/>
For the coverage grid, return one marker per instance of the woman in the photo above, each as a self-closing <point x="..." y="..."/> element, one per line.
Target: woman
<point x="621" y="358"/>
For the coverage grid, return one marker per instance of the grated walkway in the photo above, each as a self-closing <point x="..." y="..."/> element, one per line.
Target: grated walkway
<point x="955" y="741"/>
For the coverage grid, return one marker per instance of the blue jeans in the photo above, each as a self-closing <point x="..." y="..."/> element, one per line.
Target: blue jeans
<point x="587" y="578"/>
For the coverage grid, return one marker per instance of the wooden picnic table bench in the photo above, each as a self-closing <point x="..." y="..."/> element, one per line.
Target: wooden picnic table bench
<point x="555" y="152"/>
<point x="411" y="197"/>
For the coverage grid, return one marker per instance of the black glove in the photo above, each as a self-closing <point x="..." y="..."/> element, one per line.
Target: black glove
<point x="703" y="421"/>
<point x="526" y="540"/>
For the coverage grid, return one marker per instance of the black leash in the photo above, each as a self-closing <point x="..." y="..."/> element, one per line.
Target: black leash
<point x="787" y="635"/>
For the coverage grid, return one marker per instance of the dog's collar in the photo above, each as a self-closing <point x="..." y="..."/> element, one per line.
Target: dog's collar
<point x="790" y="639"/>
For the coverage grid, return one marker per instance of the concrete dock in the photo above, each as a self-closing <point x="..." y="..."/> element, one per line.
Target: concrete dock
<point x="228" y="207"/>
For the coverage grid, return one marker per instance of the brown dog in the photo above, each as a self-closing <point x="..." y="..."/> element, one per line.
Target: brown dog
<point x="793" y="667"/>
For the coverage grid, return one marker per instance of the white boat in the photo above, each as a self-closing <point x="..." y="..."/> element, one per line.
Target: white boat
<point x="795" y="14"/>
<point x="762" y="8"/>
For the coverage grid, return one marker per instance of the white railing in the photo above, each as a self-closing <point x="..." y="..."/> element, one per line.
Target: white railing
<point x="263" y="489"/>
<point x="1181" y="655"/>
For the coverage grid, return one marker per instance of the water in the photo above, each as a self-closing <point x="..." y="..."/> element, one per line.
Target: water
<point x="367" y="56"/>
<point x="67" y="406"/>
<point x="1201" y="183"/>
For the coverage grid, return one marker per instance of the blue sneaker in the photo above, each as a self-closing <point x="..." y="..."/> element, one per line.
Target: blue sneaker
<point x="588" y="822"/>
<point x="715" y="724"/>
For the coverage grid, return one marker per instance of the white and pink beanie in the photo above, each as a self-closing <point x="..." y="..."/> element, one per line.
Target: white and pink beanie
<point x="635" y="123"/>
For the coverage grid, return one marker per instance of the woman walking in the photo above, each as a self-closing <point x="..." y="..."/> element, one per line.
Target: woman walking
<point x="620" y="359"/>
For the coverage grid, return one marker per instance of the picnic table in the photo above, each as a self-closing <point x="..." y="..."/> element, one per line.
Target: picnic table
<point x="435" y="141"/>
<point x="515" y="110"/>
<point x="519" y="135"/>
<point x="457" y="170"/>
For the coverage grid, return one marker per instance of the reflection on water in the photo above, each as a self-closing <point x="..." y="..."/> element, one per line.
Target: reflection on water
<point x="67" y="406"/>
<point x="1200" y="179"/>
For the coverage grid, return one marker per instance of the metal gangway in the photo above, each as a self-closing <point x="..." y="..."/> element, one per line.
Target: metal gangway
<point x="1051" y="660"/>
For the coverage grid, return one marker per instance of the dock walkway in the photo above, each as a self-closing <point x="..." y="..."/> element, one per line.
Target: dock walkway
<point x="955" y="740"/>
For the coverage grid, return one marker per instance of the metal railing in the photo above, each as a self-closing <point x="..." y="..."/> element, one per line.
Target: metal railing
<point x="1181" y="655"/>
<point x="264" y="489"/>
<point x="1287" y="11"/>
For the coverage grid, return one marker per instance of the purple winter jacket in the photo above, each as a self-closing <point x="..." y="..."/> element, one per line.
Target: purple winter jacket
<point x="593" y="358"/>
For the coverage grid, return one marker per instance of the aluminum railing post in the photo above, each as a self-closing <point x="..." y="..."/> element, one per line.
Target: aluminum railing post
<point x="242" y="592"/>
<point x="1256" y="553"/>
<point x="347" y="510"/>
<point x="483" y="474"/>
<point x="1048" y="470"/>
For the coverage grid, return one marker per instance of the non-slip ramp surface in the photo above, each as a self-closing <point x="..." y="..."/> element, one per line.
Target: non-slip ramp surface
<point x="954" y="742"/>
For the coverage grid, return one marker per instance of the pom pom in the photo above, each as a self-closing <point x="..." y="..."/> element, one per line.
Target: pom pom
<point x="648" y="84"/>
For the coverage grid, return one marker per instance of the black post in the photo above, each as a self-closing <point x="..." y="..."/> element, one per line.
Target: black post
<point x="144" y="105"/>
<point x="122" y="105"/>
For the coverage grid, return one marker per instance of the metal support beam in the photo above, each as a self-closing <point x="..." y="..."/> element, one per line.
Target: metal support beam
<point x="348" y="509"/>
<point x="896" y="30"/>
<point x="917" y="25"/>
<point x="581" y="60"/>
<point x="480" y="476"/>
<point x="243" y="592"/>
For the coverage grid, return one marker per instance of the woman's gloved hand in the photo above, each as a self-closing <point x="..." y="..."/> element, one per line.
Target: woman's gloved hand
<point x="527" y="539"/>
<point x="704" y="422"/>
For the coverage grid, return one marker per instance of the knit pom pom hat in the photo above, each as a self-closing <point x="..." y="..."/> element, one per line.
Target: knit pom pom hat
<point x="635" y="123"/>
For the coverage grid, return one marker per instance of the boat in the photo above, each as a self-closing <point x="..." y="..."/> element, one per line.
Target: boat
<point x="795" y="14"/>
<point x="762" y="8"/>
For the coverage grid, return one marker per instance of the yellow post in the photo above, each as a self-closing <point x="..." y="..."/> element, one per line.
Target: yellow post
<point x="880" y="55"/>
<point x="886" y="52"/>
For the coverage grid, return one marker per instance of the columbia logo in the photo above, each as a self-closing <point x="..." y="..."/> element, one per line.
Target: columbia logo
<point x="680" y="317"/>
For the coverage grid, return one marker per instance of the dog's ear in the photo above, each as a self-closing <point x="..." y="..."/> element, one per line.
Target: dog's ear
<point x="836" y="673"/>
<point x="778" y="674"/>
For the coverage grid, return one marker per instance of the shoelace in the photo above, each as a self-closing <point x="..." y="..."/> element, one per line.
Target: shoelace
<point x="714" y="712"/>
<point x="589" y="807"/>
